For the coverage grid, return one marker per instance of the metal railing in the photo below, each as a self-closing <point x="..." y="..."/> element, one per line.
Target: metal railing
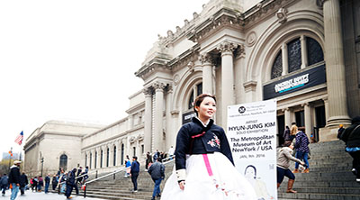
<point x="165" y="161"/>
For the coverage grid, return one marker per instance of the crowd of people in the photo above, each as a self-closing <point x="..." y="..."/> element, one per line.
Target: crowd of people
<point x="62" y="181"/>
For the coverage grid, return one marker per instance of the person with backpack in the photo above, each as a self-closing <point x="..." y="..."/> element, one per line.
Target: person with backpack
<point x="70" y="183"/>
<point x="302" y="149"/>
<point x="351" y="137"/>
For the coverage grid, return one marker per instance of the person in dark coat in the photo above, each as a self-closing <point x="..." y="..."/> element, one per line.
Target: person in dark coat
<point x="286" y="134"/>
<point x="302" y="150"/>
<point x="54" y="182"/>
<point x="351" y="136"/>
<point x="70" y="183"/>
<point x="23" y="183"/>
<point x="148" y="160"/>
<point x="4" y="183"/>
<point x="134" y="172"/>
<point x="47" y="183"/>
<point x="14" y="179"/>
<point x="157" y="172"/>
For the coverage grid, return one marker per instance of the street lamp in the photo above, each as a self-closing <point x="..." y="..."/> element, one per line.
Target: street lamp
<point x="42" y="165"/>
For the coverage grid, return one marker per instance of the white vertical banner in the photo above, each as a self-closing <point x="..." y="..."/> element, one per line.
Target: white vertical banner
<point x="251" y="133"/>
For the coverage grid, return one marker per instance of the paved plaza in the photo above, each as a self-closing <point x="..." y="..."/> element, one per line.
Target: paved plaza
<point x="42" y="196"/>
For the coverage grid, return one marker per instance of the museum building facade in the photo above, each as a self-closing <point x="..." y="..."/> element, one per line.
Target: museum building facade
<point x="304" y="53"/>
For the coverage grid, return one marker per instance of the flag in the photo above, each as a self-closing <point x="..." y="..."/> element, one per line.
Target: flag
<point x="19" y="138"/>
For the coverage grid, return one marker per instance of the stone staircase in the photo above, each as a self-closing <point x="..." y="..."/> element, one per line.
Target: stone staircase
<point x="120" y="187"/>
<point x="330" y="176"/>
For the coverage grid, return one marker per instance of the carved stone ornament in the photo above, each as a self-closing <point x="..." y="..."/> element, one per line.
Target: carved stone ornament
<point x="226" y="47"/>
<point x="147" y="91"/>
<point x="132" y="139"/>
<point x="281" y="14"/>
<point x="251" y="39"/>
<point x="176" y="79"/>
<point x="159" y="86"/>
<point x="240" y="52"/>
<point x="320" y="3"/>
<point x="205" y="58"/>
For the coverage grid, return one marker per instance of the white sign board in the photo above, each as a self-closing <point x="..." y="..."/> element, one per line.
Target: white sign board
<point x="251" y="133"/>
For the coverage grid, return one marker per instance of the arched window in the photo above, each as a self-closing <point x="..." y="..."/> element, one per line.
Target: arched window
<point x="314" y="54"/>
<point x="107" y="157"/>
<point x="194" y="93"/>
<point x="101" y="159"/>
<point x="314" y="51"/>
<point x="294" y="55"/>
<point x="63" y="161"/>
<point x="96" y="155"/>
<point x="276" y="69"/>
<point x="114" y="163"/>
<point x="90" y="160"/>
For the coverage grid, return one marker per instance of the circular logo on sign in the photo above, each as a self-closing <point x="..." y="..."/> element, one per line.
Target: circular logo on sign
<point x="242" y="109"/>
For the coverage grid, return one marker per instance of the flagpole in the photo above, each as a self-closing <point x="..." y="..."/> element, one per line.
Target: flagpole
<point x="10" y="157"/>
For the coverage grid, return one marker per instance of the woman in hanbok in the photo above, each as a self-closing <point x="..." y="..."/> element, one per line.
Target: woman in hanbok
<point x="203" y="161"/>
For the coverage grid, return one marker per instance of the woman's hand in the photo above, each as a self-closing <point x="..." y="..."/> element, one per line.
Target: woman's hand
<point x="182" y="185"/>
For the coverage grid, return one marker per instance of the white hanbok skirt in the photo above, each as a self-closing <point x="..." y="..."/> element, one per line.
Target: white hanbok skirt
<point x="225" y="183"/>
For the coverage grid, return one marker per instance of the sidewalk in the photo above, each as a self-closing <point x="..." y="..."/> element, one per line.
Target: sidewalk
<point x="42" y="196"/>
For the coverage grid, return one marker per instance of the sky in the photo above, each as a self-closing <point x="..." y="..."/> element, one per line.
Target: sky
<point x="74" y="60"/>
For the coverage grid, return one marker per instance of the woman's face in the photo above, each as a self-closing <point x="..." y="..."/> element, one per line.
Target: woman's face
<point x="207" y="108"/>
<point x="250" y="173"/>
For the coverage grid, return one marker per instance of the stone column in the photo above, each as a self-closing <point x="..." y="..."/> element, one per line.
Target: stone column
<point x="304" y="58"/>
<point x="98" y="159"/>
<point x="308" y="121"/>
<point x="287" y="116"/>
<point x="335" y="68"/>
<point x="284" y="55"/>
<point x="169" y="124"/>
<point x="227" y="78"/>
<point x="92" y="159"/>
<point x="207" y="73"/>
<point x="326" y="104"/>
<point x="158" y="115"/>
<point x="111" y="150"/>
<point x="148" y="119"/>
<point x="240" y="76"/>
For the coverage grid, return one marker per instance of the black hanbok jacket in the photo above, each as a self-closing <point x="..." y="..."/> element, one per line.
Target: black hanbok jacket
<point x="195" y="138"/>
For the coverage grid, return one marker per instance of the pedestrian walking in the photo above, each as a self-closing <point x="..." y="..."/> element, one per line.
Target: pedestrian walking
<point x="127" y="166"/>
<point x="351" y="137"/>
<point x="4" y="184"/>
<point x="54" y="182"/>
<point x="70" y="183"/>
<point x="286" y="134"/>
<point x="302" y="149"/>
<point x="40" y="183"/>
<point x="14" y="179"/>
<point x="47" y="183"/>
<point x="283" y="164"/>
<point x="171" y="152"/>
<point x="23" y="183"/>
<point x="157" y="172"/>
<point x="148" y="161"/>
<point x="134" y="172"/>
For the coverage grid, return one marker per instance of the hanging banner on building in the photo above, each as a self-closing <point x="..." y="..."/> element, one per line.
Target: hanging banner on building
<point x="251" y="133"/>
<point x="299" y="81"/>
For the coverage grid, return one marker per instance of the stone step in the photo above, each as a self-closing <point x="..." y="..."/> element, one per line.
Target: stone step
<point x="319" y="196"/>
<point x="323" y="190"/>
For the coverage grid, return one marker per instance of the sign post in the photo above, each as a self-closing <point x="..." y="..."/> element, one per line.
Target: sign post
<point x="252" y="136"/>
